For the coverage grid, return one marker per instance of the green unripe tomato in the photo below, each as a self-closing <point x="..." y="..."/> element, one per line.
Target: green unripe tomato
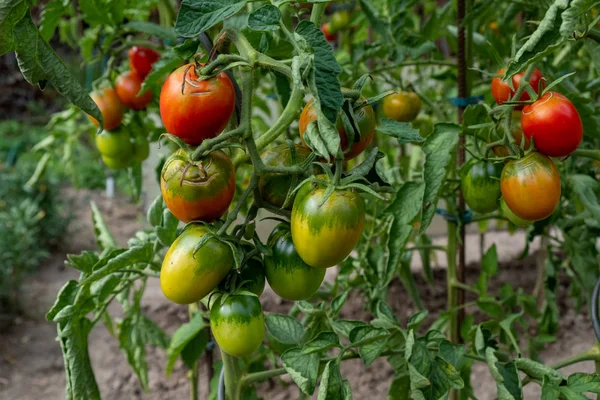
<point x="141" y="148"/>
<point x="340" y="20"/>
<point x="481" y="186"/>
<point x="238" y="324"/>
<point x="289" y="276"/>
<point x="116" y="162"/>
<point x="114" y="144"/>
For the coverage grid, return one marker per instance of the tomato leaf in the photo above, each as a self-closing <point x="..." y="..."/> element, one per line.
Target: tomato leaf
<point x="104" y="238"/>
<point x="65" y="297"/>
<point x="183" y="336"/>
<point x="402" y="131"/>
<point x="155" y="211"/>
<point x="325" y="72"/>
<point x="265" y="18"/>
<point x="83" y="262"/>
<point x="537" y="370"/>
<point x="134" y="174"/>
<point x="550" y="389"/>
<point x="128" y="259"/>
<point x="580" y="383"/>
<point x="51" y="15"/>
<point x="438" y="148"/>
<point x="302" y="368"/>
<point x="371" y="342"/>
<point x="332" y="387"/>
<point x="284" y="328"/>
<point x="197" y="16"/>
<point x="322" y="342"/>
<point x="152" y="29"/>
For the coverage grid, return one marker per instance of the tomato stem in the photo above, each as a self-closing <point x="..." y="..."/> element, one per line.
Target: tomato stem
<point x="233" y="376"/>
<point x="593" y="154"/>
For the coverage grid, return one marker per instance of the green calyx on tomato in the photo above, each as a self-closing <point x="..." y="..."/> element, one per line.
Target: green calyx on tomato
<point x="481" y="186"/>
<point x="402" y="106"/>
<point x="288" y="275"/>
<point x="325" y="231"/>
<point x="110" y="106"/>
<point x="365" y="121"/>
<point x="187" y="276"/>
<point x="554" y="125"/>
<point x="198" y="191"/>
<point x="531" y="186"/>
<point x="237" y="323"/>
<point x="274" y="187"/>
<point x="512" y="217"/>
<point x="516" y="132"/>
<point x="199" y="111"/>
<point x="251" y="277"/>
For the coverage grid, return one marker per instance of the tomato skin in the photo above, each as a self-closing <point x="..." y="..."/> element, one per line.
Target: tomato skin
<point x="141" y="60"/>
<point x="115" y="144"/>
<point x="365" y="118"/>
<point x="116" y="163"/>
<point x="197" y="195"/>
<point x="531" y="186"/>
<point x="502" y="92"/>
<point x="110" y="106"/>
<point x="512" y="217"/>
<point x="324" y="235"/>
<point x="128" y="87"/>
<point x="202" y="111"/>
<point x="141" y="148"/>
<point x="424" y="124"/>
<point x="402" y="106"/>
<point x="481" y="187"/>
<point x="517" y="133"/>
<point x="326" y="29"/>
<point x="340" y="21"/>
<point x="237" y="323"/>
<point x="554" y="124"/>
<point x="274" y="187"/>
<point x="186" y="277"/>
<point x="253" y="272"/>
<point x="289" y="276"/>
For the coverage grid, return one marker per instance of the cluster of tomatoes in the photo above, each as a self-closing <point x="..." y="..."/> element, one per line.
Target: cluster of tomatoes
<point x="118" y="146"/>
<point x="339" y="21"/>
<point x="529" y="187"/>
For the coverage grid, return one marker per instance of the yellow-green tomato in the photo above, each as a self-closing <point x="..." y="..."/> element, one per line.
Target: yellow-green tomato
<point x="325" y="232"/>
<point x="512" y="217"/>
<point x="185" y="276"/>
<point x="402" y="106"/>
<point x="114" y="143"/>
<point x="238" y="324"/>
<point x="289" y="276"/>
<point x="141" y="148"/>
<point x="116" y="162"/>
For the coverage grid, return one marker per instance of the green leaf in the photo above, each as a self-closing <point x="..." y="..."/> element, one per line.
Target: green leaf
<point x="83" y="262"/>
<point x="400" y="388"/>
<point x="402" y="131"/>
<point x="326" y="70"/>
<point x="550" y="390"/>
<point x="187" y="49"/>
<point x="439" y="149"/>
<point x="543" y="41"/>
<point x="194" y="349"/>
<point x="454" y="354"/>
<point x="104" y="238"/>
<point x="135" y="179"/>
<point x="163" y="66"/>
<point x="506" y="325"/>
<point x="182" y="336"/>
<point x="415" y="320"/>
<point x="155" y="211"/>
<point x="126" y="260"/>
<point x="39" y="64"/>
<point x="197" y="16"/>
<point x="332" y="387"/>
<point x="80" y="380"/>
<point x="265" y="18"/>
<point x="537" y="370"/>
<point x="338" y="302"/>
<point x="371" y="342"/>
<point x="344" y="327"/>
<point x="284" y="328"/>
<point x="586" y="187"/>
<point x="404" y="209"/>
<point x="152" y="29"/>
<point x="167" y="232"/>
<point x="66" y="297"/>
<point x="491" y="307"/>
<point x="323" y="341"/>
<point x="489" y="262"/>
<point x="580" y="382"/>
<point x="302" y="368"/>
<point x="51" y="15"/>
<point x="11" y="12"/>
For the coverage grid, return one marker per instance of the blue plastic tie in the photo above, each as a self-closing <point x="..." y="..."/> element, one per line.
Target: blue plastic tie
<point x="467" y="217"/>
<point x="466" y="101"/>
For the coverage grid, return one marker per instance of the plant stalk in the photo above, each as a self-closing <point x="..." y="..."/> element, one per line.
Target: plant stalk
<point x="233" y="376"/>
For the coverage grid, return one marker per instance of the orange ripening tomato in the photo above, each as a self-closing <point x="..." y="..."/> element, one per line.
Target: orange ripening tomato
<point x="110" y="106"/>
<point x="502" y="92"/>
<point x="128" y="87"/>
<point x="531" y="186"/>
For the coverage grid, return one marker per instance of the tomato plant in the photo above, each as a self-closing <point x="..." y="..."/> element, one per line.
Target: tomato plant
<point x="481" y="187"/>
<point x="195" y="109"/>
<point x="502" y="92"/>
<point x="554" y="124"/>
<point x="141" y="60"/>
<point x="402" y="106"/>
<point x="128" y="87"/>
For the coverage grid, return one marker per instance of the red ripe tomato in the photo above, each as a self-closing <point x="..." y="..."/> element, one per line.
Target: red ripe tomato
<point x="531" y="186"/>
<point x="502" y="92"/>
<point x="326" y="28"/>
<point x="110" y="106"/>
<point x="199" y="111"/>
<point x="365" y="119"/>
<point x="141" y="60"/>
<point x="554" y="124"/>
<point x="128" y="89"/>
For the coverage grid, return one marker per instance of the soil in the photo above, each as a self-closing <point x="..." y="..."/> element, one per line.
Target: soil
<point x="31" y="365"/>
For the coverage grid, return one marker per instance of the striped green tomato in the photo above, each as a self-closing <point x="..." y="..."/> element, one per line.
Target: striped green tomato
<point x="185" y="276"/>
<point x="289" y="276"/>
<point x="325" y="233"/>
<point x="238" y="324"/>
<point x="481" y="186"/>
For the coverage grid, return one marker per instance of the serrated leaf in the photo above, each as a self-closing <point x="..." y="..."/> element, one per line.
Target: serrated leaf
<point x="104" y="238"/>
<point x="322" y="342"/>
<point x="50" y="17"/>
<point x="344" y="327"/>
<point x="155" y="211"/>
<point x="439" y="149"/>
<point x="489" y="262"/>
<point x="332" y="386"/>
<point x="152" y="29"/>
<point x="284" y="328"/>
<point x="371" y="342"/>
<point x="265" y="18"/>
<point x="65" y="297"/>
<point x="454" y="354"/>
<point x="402" y="131"/>
<point x="550" y="389"/>
<point x="10" y="14"/>
<point x="128" y="259"/>
<point x="197" y="16"/>
<point x="580" y="382"/>
<point x="338" y="302"/>
<point x="302" y="368"/>
<point x="83" y="262"/>
<point x="415" y="320"/>
<point x="182" y="336"/>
